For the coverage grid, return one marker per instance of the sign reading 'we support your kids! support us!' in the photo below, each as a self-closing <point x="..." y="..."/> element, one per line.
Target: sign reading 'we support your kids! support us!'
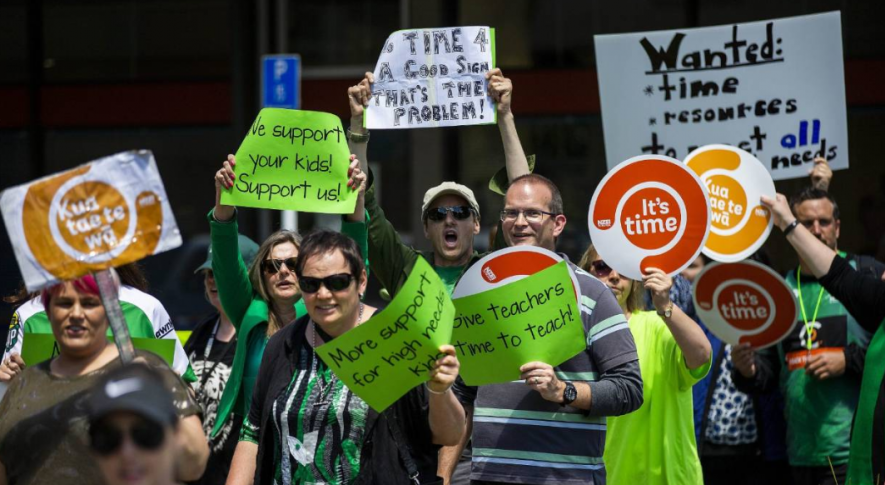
<point x="774" y="88"/>
<point x="293" y="160"/>
<point x="103" y="214"/>
<point x="426" y="78"/>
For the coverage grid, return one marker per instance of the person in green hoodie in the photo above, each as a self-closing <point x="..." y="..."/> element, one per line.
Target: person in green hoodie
<point x="259" y="299"/>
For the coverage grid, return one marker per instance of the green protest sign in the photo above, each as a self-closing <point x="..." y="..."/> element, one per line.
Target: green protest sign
<point x="395" y="350"/>
<point x="293" y="160"/>
<point x="38" y="347"/>
<point x="532" y="319"/>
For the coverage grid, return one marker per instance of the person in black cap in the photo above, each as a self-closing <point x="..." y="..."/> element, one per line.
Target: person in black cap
<point x="133" y="427"/>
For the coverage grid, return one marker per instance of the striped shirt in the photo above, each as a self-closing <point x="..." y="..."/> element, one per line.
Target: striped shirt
<point x="519" y="437"/>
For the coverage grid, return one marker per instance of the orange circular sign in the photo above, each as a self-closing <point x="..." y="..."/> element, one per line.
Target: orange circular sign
<point x="744" y="302"/>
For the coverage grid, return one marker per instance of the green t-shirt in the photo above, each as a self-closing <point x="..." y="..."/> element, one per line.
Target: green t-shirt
<point x="656" y="443"/>
<point x="449" y="275"/>
<point x="818" y="413"/>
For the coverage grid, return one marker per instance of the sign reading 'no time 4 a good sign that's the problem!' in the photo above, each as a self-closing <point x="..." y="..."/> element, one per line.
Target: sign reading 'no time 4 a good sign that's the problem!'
<point x="649" y="211"/>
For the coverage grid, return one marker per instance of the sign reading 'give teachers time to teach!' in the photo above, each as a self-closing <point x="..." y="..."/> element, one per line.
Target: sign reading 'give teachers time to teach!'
<point x="382" y="359"/>
<point x="427" y="78"/>
<point x="293" y="160"/>
<point x="103" y="214"/>
<point x="774" y="88"/>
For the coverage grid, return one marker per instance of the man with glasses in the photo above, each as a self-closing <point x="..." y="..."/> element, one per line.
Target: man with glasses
<point x="550" y="429"/>
<point x="819" y="365"/>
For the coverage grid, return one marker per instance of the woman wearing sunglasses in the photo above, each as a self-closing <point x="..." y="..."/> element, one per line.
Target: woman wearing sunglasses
<point x="43" y="432"/>
<point x="259" y="300"/>
<point x="656" y="443"/>
<point x="307" y="426"/>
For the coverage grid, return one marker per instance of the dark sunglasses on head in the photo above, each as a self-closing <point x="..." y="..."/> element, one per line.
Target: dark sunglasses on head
<point x="600" y="268"/>
<point x="273" y="266"/>
<point x="459" y="212"/>
<point x="106" y="439"/>
<point x="335" y="282"/>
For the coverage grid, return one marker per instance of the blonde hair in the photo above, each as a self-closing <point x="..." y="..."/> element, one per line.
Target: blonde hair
<point x="256" y="276"/>
<point x="633" y="302"/>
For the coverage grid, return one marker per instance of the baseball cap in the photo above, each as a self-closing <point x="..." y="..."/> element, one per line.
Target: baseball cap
<point x="453" y="189"/>
<point x="248" y="248"/>
<point x="135" y="388"/>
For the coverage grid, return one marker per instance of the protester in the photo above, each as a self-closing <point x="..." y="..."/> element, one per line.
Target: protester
<point x="656" y="443"/>
<point x="863" y="296"/>
<point x="134" y="428"/>
<point x="43" y="435"/>
<point x="145" y="316"/>
<point x="210" y="349"/>
<point x="259" y="299"/>
<point x="820" y="376"/>
<point x="551" y="428"/>
<point x="450" y="214"/>
<point x="287" y="432"/>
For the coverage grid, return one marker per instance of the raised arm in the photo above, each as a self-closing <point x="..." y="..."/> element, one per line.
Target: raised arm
<point x="686" y="332"/>
<point x="501" y="91"/>
<point x="231" y="273"/>
<point x="821" y="174"/>
<point x="818" y="256"/>
<point x="447" y="417"/>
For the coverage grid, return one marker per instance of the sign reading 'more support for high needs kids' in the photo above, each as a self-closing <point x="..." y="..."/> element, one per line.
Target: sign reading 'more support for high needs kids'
<point x="106" y="213"/>
<point x="774" y="88"/>
<point x="426" y="78"/>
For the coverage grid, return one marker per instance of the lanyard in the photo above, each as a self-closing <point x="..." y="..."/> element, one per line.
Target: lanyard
<point x="808" y="327"/>
<point x="208" y="350"/>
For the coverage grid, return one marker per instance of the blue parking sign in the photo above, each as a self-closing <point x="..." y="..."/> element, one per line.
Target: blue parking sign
<point x="281" y="81"/>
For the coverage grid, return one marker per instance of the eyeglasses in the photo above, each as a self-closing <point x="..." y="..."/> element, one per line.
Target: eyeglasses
<point x="335" y="282"/>
<point x="531" y="215"/>
<point x="106" y="439"/>
<point x="273" y="266"/>
<point x="600" y="268"/>
<point x="459" y="212"/>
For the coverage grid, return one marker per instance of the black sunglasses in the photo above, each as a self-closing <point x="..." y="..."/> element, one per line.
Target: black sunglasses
<point x="106" y="439"/>
<point x="274" y="266"/>
<point x="600" y="268"/>
<point x="459" y="212"/>
<point x="335" y="282"/>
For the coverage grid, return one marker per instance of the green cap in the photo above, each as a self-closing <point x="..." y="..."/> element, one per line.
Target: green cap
<point x="248" y="249"/>
<point x="499" y="182"/>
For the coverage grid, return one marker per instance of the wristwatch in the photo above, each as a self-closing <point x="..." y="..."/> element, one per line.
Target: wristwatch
<point x="569" y="394"/>
<point x="668" y="311"/>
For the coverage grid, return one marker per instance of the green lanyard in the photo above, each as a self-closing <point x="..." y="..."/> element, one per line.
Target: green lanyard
<point x="820" y="295"/>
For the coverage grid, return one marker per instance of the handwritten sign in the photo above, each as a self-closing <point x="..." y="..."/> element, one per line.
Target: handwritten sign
<point x="535" y="318"/>
<point x="669" y="92"/>
<point x="293" y="160"/>
<point x="744" y="302"/>
<point x="396" y="349"/>
<point x="42" y="346"/>
<point x="106" y="213"/>
<point x="735" y="181"/>
<point x="649" y="211"/>
<point x="426" y="78"/>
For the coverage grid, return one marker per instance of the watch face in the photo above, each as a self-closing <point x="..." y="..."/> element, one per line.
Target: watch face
<point x="570" y="393"/>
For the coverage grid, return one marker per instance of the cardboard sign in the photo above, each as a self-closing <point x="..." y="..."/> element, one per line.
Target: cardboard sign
<point x="649" y="211"/>
<point x="293" y="160"/>
<point x="531" y="314"/>
<point x="426" y="78"/>
<point x="744" y="302"/>
<point x="735" y="181"/>
<point x="396" y="349"/>
<point x="669" y="92"/>
<point x="42" y="346"/>
<point x="106" y="213"/>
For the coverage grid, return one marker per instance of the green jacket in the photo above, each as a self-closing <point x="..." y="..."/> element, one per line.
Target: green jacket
<point x="245" y="308"/>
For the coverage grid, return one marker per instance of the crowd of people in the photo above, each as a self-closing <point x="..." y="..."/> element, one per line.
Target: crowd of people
<point x="654" y="398"/>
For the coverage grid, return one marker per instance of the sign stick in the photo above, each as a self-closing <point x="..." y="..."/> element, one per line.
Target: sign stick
<point x="108" y="285"/>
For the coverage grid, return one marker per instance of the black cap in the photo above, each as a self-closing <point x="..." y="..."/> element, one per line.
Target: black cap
<point x="135" y="388"/>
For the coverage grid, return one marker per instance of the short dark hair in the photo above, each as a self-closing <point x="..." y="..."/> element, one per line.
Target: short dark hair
<point x="324" y="241"/>
<point x="811" y="193"/>
<point x="533" y="178"/>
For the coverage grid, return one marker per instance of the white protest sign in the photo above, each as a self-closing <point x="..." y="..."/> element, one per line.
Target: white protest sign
<point x="427" y="78"/>
<point x="106" y="213"/>
<point x="774" y="88"/>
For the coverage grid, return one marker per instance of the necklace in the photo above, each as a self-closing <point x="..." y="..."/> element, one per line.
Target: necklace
<point x="326" y="387"/>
